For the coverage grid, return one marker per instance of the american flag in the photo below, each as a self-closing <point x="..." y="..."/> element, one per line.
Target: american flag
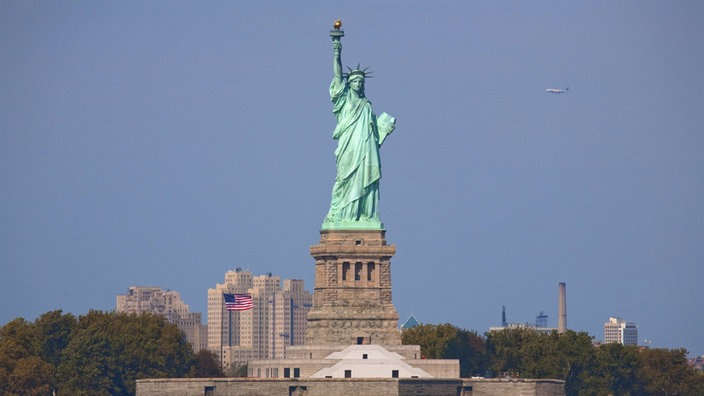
<point x="238" y="302"/>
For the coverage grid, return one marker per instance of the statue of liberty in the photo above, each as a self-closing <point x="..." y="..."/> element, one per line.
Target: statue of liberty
<point x="359" y="134"/>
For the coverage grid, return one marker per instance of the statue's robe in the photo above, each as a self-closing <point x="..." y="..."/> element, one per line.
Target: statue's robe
<point x="355" y="194"/>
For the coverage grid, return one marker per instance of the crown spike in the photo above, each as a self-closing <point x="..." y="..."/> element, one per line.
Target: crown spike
<point x="358" y="72"/>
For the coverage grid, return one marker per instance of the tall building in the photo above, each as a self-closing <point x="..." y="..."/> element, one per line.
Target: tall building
<point x="277" y="320"/>
<point x="168" y="303"/>
<point x="620" y="331"/>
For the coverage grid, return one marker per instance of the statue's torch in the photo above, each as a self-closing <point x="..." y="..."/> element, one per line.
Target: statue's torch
<point x="336" y="33"/>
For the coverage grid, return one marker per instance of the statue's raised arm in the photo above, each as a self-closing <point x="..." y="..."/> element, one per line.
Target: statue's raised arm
<point x="337" y="59"/>
<point x="336" y="34"/>
<point x="355" y="194"/>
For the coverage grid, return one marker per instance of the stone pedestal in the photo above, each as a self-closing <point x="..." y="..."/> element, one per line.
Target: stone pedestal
<point x="352" y="306"/>
<point x="352" y="299"/>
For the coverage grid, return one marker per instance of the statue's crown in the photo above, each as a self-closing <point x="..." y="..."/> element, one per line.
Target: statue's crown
<point x="358" y="72"/>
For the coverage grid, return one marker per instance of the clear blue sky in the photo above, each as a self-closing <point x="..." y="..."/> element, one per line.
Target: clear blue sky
<point x="162" y="143"/>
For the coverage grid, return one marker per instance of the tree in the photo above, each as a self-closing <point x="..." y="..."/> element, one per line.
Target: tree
<point x="237" y="371"/>
<point x="206" y="365"/>
<point x="103" y="353"/>
<point x="31" y="376"/>
<point x="470" y="348"/>
<point x="665" y="372"/>
<point x="446" y="341"/>
<point x="21" y="371"/>
<point x="433" y="339"/>
<point x="107" y="352"/>
<point x="576" y="351"/>
<point x="52" y="332"/>
<point x="16" y="339"/>
<point x="616" y="371"/>
<point x="505" y="348"/>
<point x="566" y="356"/>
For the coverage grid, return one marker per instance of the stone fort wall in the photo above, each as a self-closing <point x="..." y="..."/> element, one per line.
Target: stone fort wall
<point x="348" y="386"/>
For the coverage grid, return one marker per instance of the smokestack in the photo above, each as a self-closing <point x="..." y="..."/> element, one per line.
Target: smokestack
<point x="562" y="310"/>
<point x="503" y="316"/>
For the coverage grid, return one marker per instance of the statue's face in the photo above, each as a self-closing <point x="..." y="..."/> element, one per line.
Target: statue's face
<point x="357" y="85"/>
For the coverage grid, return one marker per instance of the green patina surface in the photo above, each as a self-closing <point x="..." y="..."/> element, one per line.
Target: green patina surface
<point x="360" y="134"/>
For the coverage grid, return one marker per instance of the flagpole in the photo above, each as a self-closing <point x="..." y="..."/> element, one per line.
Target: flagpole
<point x="222" y="364"/>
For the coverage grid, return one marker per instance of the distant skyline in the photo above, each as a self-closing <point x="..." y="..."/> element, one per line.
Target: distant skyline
<point x="552" y="319"/>
<point x="161" y="144"/>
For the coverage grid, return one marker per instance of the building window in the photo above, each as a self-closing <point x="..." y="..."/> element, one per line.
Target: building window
<point x="209" y="391"/>
<point x="348" y="373"/>
<point x="357" y="271"/>
<point x="394" y="373"/>
<point x="370" y="272"/>
<point x="345" y="270"/>
<point x="296" y="372"/>
<point x="360" y="340"/>
<point x="365" y="356"/>
<point x="297" y="390"/>
<point x="287" y="372"/>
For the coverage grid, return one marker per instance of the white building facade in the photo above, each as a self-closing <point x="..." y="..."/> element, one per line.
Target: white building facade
<point x="277" y="319"/>
<point x="167" y="303"/>
<point x="620" y="331"/>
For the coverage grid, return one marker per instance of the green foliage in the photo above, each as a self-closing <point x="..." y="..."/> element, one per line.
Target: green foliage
<point x="610" y="369"/>
<point x="16" y="339"/>
<point x="570" y="356"/>
<point x="665" y="372"/>
<point x="101" y="353"/>
<point x="31" y="376"/>
<point x="206" y="365"/>
<point x="446" y="341"/>
<point x="237" y="370"/>
<point x="433" y="339"/>
<point x="616" y="371"/>
<point x="575" y="357"/>
<point x="21" y="371"/>
<point x="53" y="330"/>
<point x="109" y="351"/>
<point x="506" y="348"/>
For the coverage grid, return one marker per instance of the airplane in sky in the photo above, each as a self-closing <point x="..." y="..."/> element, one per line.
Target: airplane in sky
<point x="558" y="91"/>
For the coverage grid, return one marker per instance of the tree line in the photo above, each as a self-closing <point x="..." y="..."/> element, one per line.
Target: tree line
<point x="103" y="353"/>
<point x="100" y="353"/>
<point x="587" y="369"/>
